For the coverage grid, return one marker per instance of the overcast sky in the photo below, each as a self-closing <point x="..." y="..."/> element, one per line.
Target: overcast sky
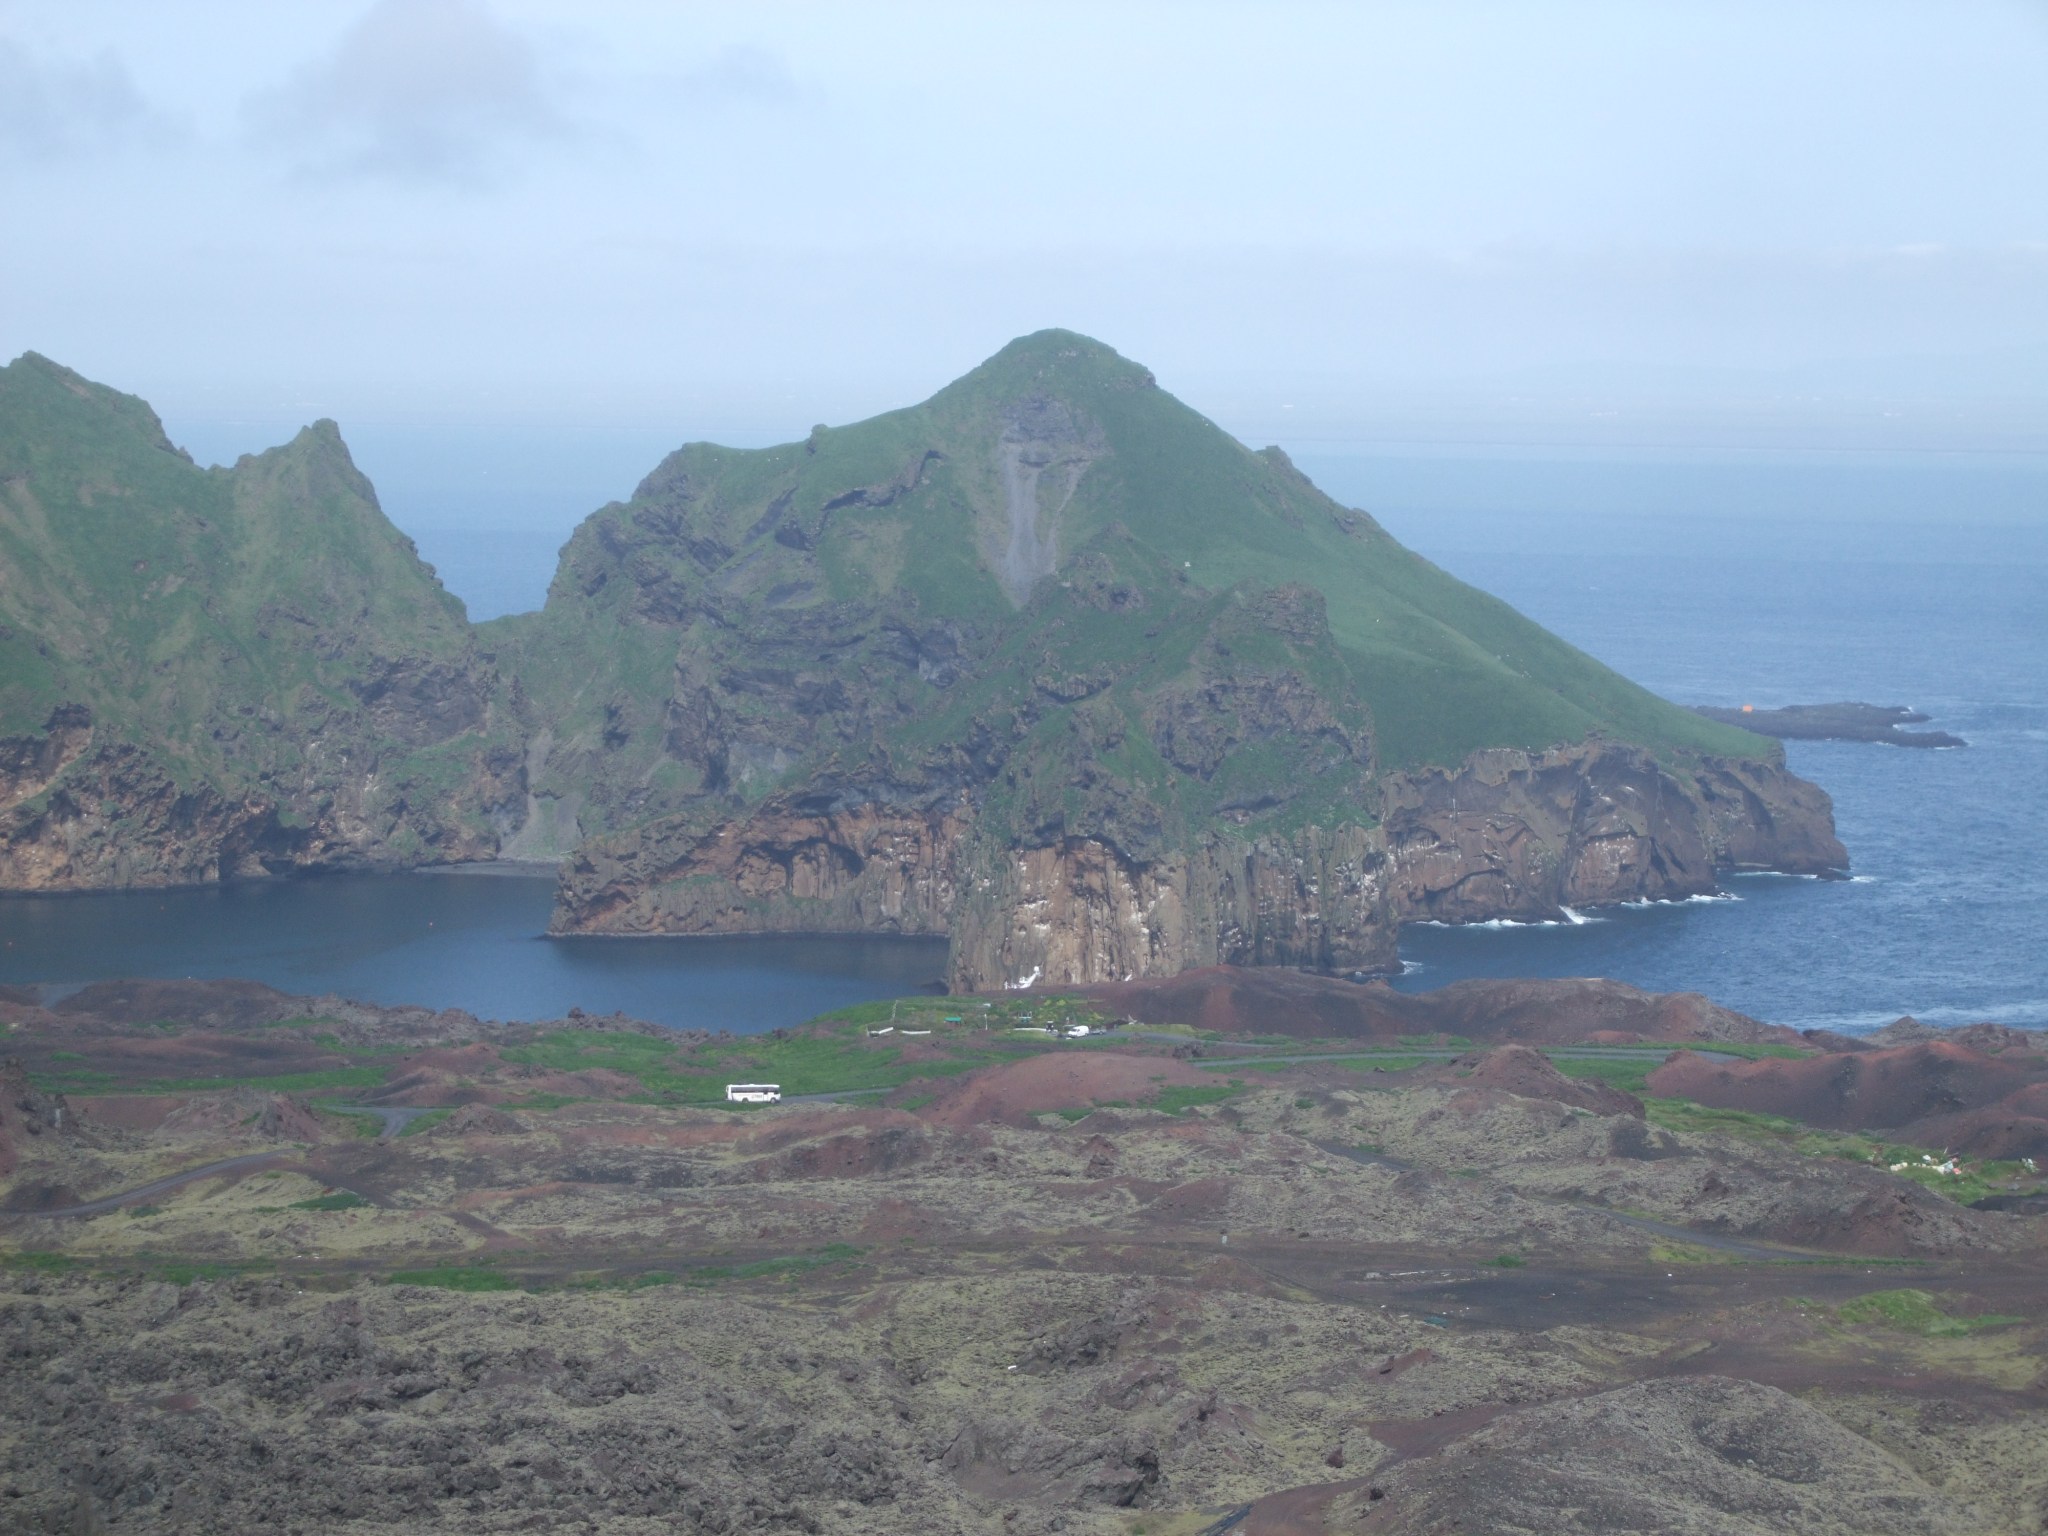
<point x="1804" y="224"/>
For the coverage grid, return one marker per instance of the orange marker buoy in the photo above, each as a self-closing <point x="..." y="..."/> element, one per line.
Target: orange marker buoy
<point x="1749" y="709"/>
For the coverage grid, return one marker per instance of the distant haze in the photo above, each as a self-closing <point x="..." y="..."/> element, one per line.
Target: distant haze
<point x="1783" y="225"/>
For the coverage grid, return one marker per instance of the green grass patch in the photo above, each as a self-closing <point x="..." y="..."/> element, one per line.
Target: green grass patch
<point x="456" y="1277"/>
<point x="1508" y="1261"/>
<point x="426" y="1122"/>
<point x="788" y="1268"/>
<point x="1628" y="1076"/>
<point x="1916" y="1312"/>
<point x="1177" y="1097"/>
<point x="39" y="1262"/>
<point x="339" y="1200"/>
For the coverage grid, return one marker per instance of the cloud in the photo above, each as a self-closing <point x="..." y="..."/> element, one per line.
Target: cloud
<point x="417" y="90"/>
<point x="51" y="110"/>
<point x="743" y="70"/>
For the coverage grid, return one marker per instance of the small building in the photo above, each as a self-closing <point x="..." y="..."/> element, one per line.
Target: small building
<point x="753" y="1093"/>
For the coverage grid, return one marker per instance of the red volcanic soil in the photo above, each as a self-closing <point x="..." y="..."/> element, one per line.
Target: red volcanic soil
<point x="1014" y="1092"/>
<point x="1935" y="1094"/>
<point x="1527" y="1073"/>
<point x="1271" y="1001"/>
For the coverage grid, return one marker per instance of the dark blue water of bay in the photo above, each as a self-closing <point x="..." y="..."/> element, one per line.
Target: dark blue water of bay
<point x="449" y="940"/>
<point x="1761" y="579"/>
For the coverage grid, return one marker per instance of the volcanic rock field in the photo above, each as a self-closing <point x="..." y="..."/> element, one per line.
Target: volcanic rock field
<point x="1329" y="1259"/>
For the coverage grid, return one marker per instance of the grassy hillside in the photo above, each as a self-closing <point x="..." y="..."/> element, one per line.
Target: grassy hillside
<point x="261" y="630"/>
<point x="1054" y="565"/>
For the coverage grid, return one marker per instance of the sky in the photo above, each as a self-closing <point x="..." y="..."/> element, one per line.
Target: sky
<point x="1796" y="224"/>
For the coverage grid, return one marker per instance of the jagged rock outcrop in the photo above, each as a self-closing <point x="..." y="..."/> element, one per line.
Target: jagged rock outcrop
<point x="867" y="869"/>
<point x="1520" y="835"/>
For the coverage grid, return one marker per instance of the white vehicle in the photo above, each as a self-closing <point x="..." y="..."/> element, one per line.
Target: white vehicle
<point x="753" y="1093"/>
<point x="1077" y="1031"/>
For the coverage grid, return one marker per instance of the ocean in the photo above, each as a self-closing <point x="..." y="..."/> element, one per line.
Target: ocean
<point x="1768" y="578"/>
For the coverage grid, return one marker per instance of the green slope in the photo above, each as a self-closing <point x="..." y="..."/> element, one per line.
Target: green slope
<point x="854" y="609"/>
<point x="261" y="630"/>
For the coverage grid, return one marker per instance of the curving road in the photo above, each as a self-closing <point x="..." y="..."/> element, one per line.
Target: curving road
<point x="157" y="1186"/>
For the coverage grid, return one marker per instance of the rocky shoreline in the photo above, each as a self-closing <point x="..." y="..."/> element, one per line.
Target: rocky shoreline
<point x="1508" y="835"/>
<point x="1835" y="722"/>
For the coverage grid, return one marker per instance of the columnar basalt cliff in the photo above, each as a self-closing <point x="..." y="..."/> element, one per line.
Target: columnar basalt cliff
<point x="1048" y="665"/>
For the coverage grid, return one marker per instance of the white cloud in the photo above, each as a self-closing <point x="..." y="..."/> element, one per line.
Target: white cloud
<point x="436" y="91"/>
<point x="55" y="110"/>
<point x="745" y="71"/>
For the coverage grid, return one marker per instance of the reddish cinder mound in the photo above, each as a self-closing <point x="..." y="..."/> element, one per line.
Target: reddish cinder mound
<point x="1270" y="1001"/>
<point x="1012" y="1093"/>
<point x="1937" y="1094"/>
<point x="1528" y="1074"/>
<point x="245" y="1113"/>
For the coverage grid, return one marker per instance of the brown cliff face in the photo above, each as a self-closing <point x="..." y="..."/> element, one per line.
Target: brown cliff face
<point x="1080" y="912"/>
<point x="1520" y="835"/>
<point x="781" y="870"/>
<point x="81" y="813"/>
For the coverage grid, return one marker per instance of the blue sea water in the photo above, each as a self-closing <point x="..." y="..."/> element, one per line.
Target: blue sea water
<point x="1765" y="579"/>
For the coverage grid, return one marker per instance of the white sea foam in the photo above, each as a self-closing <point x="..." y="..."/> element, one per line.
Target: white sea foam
<point x="1679" y="901"/>
<point x="1410" y="967"/>
<point x="1863" y="879"/>
<point x="1571" y="919"/>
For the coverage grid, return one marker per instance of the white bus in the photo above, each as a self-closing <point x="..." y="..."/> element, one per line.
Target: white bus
<point x="753" y="1093"/>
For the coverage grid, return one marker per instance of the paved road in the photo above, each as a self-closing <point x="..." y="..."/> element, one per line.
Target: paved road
<point x="159" y="1186"/>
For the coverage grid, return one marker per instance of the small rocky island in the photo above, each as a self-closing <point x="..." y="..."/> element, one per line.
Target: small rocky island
<point x="1835" y="722"/>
